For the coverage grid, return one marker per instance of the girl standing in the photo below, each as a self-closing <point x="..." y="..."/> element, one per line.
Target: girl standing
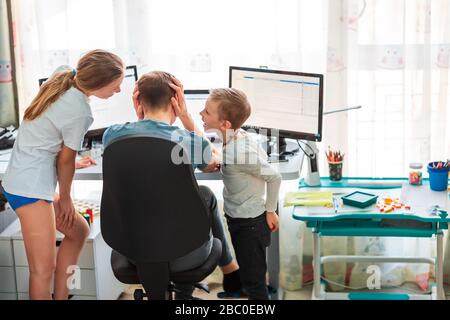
<point x="49" y="137"/>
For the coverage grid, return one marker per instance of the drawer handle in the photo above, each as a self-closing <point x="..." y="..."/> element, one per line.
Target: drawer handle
<point x="58" y="243"/>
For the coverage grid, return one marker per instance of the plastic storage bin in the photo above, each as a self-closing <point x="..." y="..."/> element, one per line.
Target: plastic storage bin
<point x="359" y="199"/>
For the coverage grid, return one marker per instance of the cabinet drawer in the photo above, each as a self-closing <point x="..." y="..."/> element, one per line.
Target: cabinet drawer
<point x="88" y="283"/>
<point x="6" y="255"/>
<point x="86" y="260"/>
<point x="8" y="296"/>
<point x="7" y="280"/>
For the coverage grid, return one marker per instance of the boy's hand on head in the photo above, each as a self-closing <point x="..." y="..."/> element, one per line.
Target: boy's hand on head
<point x="272" y="221"/>
<point x="137" y="104"/>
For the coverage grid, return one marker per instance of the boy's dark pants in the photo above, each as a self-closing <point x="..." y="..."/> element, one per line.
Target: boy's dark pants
<point x="250" y="238"/>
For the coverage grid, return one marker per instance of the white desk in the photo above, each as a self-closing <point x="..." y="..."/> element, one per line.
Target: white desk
<point x="289" y="171"/>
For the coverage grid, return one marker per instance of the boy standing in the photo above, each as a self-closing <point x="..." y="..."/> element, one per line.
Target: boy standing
<point x="246" y="176"/>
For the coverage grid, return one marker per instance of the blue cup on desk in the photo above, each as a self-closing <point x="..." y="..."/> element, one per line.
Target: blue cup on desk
<point x="438" y="176"/>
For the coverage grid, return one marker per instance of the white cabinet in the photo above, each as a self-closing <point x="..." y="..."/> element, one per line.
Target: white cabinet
<point x="8" y="288"/>
<point x="97" y="280"/>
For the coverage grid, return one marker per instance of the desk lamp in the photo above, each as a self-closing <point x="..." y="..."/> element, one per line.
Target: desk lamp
<point x="312" y="175"/>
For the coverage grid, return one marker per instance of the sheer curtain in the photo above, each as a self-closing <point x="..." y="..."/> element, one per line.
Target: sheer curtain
<point x="197" y="41"/>
<point x="7" y="107"/>
<point x="391" y="57"/>
<point x="398" y="68"/>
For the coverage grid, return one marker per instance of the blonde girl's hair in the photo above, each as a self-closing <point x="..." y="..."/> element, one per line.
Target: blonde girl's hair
<point x="95" y="70"/>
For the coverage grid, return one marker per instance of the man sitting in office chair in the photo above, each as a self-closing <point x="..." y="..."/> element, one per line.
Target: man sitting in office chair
<point x="157" y="107"/>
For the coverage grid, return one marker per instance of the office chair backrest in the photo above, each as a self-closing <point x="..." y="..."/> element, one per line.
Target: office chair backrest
<point x="151" y="209"/>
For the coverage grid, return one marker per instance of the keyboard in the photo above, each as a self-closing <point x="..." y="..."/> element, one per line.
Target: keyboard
<point x="7" y="143"/>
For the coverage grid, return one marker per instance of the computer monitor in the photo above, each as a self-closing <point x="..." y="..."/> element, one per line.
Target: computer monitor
<point x="195" y="103"/>
<point x="284" y="101"/>
<point x="117" y="109"/>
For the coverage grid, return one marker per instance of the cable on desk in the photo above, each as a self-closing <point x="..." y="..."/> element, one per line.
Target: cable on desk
<point x="311" y="157"/>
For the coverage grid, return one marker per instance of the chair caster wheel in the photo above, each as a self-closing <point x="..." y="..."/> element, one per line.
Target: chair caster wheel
<point x="139" y="294"/>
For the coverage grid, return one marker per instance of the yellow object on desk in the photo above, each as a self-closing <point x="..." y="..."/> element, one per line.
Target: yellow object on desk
<point x="309" y="198"/>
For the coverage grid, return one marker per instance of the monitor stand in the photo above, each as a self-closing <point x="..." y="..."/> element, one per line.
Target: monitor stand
<point x="312" y="174"/>
<point x="276" y="149"/>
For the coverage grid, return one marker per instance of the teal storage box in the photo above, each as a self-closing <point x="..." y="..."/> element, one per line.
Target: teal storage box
<point x="359" y="199"/>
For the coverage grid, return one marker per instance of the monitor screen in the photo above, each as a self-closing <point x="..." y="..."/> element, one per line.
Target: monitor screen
<point x="117" y="109"/>
<point x="195" y="103"/>
<point x="290" y="102"/>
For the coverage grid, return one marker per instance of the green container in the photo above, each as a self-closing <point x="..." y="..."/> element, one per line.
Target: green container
<point x="335" y="170"/>
<point x="360" y="199"/>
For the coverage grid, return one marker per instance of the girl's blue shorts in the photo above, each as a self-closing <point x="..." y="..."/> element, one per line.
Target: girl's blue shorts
<point x="18" y="201"/>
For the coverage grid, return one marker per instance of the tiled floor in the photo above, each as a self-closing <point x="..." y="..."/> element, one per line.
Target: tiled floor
<point x="303" y="294"/>
<point x="215" y="287"/>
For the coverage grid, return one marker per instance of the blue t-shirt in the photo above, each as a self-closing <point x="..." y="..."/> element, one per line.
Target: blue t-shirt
<point x="198" y="148"/>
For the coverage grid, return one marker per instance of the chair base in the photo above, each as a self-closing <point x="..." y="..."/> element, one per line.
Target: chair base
<point x="139" y="294"/>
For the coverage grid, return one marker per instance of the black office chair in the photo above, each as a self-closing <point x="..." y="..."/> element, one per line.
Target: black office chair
<point x="151" y="214"/>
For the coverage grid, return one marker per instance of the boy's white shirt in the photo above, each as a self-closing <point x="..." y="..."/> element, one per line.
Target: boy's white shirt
<point x="246" y="174"/>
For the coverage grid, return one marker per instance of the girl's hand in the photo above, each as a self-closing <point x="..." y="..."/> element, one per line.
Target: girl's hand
<point x="84" y="163"/>
<point x="67" y="212"/>
<point x="272" y="221"/>
<point x="136" y="104"/>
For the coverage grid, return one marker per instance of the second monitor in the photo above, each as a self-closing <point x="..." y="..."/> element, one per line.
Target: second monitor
<point x="284" y="101"/>
<point x="285" y="104"/>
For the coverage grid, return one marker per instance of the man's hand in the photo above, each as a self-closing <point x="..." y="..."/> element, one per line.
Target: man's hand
<point x="85" y="162"/>
<point x="178" y="102"/>
<point x="272" y="221"/>
<point x="136" y="104"/>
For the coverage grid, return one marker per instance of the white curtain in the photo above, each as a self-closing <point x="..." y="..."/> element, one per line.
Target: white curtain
<point x="395" y="57"/>
<point x="195" y="40"/>
<point x="390" y="56"/>
<point x="7" y="107"/>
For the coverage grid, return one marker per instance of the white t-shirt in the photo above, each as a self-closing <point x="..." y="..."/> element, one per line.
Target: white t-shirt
<point x="31" y="170"/>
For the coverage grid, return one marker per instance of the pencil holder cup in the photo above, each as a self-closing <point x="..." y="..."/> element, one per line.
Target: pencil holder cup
<point x="335" y="170"/>
<point x="438" y="177"/>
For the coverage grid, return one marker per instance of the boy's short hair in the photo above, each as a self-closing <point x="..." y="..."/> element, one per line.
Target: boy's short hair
<point x="233" y="105"/>
<point x="154" y="90"/>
